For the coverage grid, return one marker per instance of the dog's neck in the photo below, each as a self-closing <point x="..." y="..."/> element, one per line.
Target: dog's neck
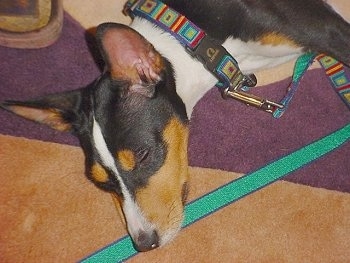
<point x="192" y="79"/>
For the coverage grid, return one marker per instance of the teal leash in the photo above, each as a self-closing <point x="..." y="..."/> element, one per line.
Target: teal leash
<point x="206" y="205"/>
<point x="334" y="70"/>
<point x="301" y="66"/>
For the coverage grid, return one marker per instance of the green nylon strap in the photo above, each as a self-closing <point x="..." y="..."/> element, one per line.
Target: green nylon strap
<point x="123" y="249"/>
<point x="301" y="66"/>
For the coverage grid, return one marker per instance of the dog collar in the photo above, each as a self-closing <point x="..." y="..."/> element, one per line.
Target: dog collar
<point x="215" y="58"/>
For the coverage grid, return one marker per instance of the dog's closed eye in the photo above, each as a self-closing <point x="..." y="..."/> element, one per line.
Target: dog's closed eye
<point x="130" y="159"/>
<point x="142" y="155"/>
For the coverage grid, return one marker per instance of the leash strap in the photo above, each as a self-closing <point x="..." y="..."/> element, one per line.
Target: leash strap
<point x="335" y="72"/>
<point x="301" y="66"/>
<point x="204" y="206"/>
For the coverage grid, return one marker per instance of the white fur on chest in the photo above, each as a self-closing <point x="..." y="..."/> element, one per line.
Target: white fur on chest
<point x="192" y="79"/>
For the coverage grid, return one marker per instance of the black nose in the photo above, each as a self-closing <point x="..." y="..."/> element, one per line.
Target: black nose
<point x="146" y="241"/>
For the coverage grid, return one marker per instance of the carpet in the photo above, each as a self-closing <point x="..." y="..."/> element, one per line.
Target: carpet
<point x="51" y="213"/>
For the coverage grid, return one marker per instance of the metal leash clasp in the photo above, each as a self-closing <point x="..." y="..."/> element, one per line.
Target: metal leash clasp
<point x="225" y="68"/>
<point x="236" y="92"/>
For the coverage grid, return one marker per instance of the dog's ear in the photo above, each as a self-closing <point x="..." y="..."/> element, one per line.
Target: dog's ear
<point x="59" y="111"/>
<point x="129" y="56"/>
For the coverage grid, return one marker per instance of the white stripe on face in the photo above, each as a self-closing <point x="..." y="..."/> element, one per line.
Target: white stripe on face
<point x="136" y="222"/>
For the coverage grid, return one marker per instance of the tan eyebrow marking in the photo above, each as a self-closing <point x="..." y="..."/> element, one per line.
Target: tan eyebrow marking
<point x="126" y="159"/>
<point x="98" y="173"/>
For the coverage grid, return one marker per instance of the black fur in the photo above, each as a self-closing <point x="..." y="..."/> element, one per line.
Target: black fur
<point x="312" y="24"/>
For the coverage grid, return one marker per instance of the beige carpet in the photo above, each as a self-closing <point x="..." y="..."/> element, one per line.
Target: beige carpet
<point x="50" y="213"/>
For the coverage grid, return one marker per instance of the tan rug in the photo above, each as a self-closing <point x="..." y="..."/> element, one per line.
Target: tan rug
<point x="50" y="213"/>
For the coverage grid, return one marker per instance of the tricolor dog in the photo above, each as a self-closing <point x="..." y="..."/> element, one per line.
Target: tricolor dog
<point x="132" y="121"/>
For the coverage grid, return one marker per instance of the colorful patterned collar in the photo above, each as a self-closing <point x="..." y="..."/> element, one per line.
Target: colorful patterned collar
<point x="214" y="57"/>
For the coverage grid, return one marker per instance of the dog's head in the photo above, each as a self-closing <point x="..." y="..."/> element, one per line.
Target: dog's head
<point x="132" y="126"/>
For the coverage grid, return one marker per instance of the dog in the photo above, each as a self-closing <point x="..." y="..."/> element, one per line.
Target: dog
<point x="132" y="121"/>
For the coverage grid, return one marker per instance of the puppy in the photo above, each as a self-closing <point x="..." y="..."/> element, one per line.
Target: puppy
<point x="132" y="121"/>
